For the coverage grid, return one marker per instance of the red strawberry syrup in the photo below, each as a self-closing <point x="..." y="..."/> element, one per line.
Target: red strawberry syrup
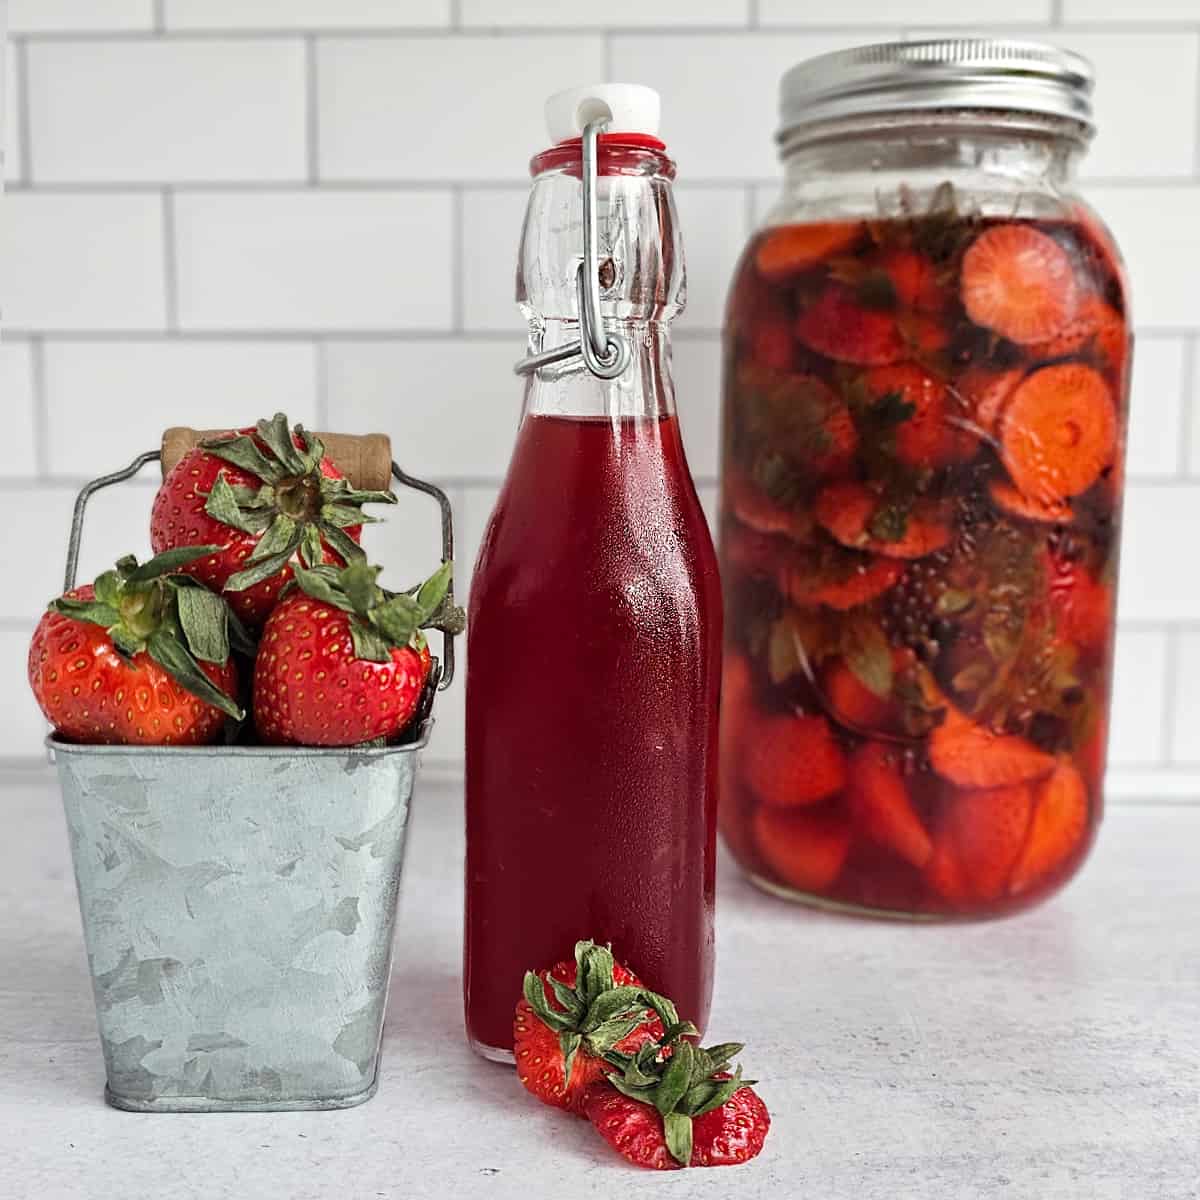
<point x="594" y="656"/>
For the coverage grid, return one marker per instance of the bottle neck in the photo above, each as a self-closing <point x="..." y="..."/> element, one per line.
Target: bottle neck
<point x="639" y="269"/>
<point x="645" y="390"/>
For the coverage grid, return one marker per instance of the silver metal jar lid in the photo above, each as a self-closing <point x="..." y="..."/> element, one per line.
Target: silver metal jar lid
<point x="944" y="73"/>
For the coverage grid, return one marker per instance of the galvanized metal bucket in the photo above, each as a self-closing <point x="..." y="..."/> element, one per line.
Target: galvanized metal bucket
<point x="238" y="906"/>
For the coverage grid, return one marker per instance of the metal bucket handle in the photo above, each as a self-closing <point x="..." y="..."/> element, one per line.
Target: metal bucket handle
<point x="446" y="668"/>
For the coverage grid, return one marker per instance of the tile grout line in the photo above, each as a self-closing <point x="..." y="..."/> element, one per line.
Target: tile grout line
<point x="25" y="151"/>
<point x="41" y="408"/>
<point x="455" y="15"/>
<point x="160" y="16"/>
<point x="312" y="128"/>
<point x="418" y="333"/>
<point x="1056" y="14"/>
<point x="753" y="15"/>
<point x="1191" y="384"/>
<point x="402" y="184"/>
<point x="860" y="32"/>
<point x="170" y="261"/>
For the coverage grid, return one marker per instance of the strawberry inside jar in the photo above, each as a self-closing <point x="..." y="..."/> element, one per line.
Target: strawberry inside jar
<point x="926" y="371"/>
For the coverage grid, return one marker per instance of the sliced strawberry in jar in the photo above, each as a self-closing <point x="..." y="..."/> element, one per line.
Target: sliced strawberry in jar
<point x="836" y="325"/>
<point x="944" y="872"/>
<point x="794" y="427"/>
<point x="914" y="279"/>
<point x="983" y="393"/>
<point x="1017" y="504"/>
<point x="1097" y="332"/>
<point x="852" y="703"/>
<point x="861" y="519"/>
<point x="880" y="805"/>
<point x="989" y="828"/>
<point x="793" y="249"/>
<point x="753" y="507"/>
<point x="809" y="576"/>
<point x="973" y="755"/>
<point x="933" y="433"/>
<point x="1059" y="432"/>
<point x="841" y="583"/>
<point x="772" y="344"/>
<point x="805" y="850"/>
<point x="1019" y="282"/>
<point x="1059" y="825"/>
<point x="792" y="760"/>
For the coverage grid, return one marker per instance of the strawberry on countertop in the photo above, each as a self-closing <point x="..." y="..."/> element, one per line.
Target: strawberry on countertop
<point x="681" y="1110"/>
<point x="590" y="1038"/>
<point x="572" y="1015"/>
<point x="142" y="656"/>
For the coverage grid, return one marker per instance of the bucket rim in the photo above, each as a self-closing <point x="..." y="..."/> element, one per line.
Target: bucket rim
<point x="56" y="745"/>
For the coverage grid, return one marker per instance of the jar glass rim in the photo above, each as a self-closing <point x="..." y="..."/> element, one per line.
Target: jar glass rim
<point x="1008" y="121"/>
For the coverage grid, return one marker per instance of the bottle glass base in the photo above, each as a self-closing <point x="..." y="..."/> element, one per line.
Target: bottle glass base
<point x="496" y="1054"/>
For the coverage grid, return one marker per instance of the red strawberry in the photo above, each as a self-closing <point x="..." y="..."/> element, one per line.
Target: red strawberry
<point x="805" y="850"/>
<point x="1058" y="828"/>
<point x="559" y="1003"/>
<point x="880" y="805"/>
<point x="863" y="519"/>
<point x="342" y="661"/>
<point x="914" y="280"/>
<point x="976" y="756"/>
<point x="944" y="872"/>
<point x="792" y="760"/>
<point x="989" y="828"/>
<point x="772" y="345"/>
<point x="263" y="498"/>
<point x="139" y="658"/>
<point x="932" y="433"/>
<point x="838" y="327"/>
<point x="982" y="393"/>
<point x="681" y="1111"/>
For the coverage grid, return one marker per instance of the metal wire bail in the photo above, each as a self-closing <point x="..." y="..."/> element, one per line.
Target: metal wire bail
<point x="605" y="354"/>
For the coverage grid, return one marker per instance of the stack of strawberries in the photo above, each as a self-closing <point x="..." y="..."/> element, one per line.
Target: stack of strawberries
<point x="256" y="536"/>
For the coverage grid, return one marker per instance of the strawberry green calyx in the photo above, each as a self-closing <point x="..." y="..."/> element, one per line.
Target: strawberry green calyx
<point x="690" y="1082"/>
<point x="596" y="1014"/>
<point x="380" y="620"/>
<point x="171" y="617"/>
<point x="297" y="508"/>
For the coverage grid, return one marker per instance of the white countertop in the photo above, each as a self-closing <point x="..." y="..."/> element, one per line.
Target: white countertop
<point x="1052" y="1055"/>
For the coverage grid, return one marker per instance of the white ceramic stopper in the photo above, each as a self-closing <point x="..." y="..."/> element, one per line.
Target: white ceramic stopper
<point x="630" y="108"/>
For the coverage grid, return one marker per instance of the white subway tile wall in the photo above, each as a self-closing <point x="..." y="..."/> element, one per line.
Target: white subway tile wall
<point x="147" y="111"/>
<point x="225" y="207"/>
<point x="18" y="454"/>
<point x="13" y="166"/>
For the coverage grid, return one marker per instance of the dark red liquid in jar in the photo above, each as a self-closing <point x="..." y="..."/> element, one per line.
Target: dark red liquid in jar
<point x="921" y="498"/>
<point x="593" y="671"/>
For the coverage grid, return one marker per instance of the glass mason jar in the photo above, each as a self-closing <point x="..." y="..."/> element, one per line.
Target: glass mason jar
<point x="925" y="391"/>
